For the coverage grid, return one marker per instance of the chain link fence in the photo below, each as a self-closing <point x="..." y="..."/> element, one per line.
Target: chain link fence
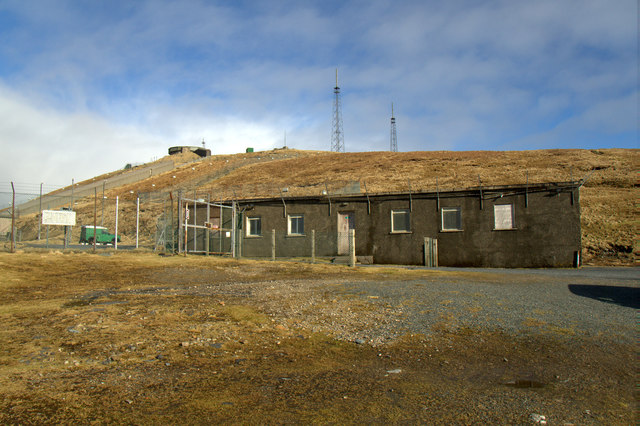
<point x="160" y="221"/>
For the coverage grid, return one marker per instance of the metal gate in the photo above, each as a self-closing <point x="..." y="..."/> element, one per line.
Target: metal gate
<point x="207" y="228"/>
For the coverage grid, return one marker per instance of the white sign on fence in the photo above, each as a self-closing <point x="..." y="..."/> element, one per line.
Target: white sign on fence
<point x="58" y="217"/>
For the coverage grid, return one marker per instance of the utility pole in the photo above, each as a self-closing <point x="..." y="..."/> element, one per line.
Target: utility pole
<point x="337" y="135"/>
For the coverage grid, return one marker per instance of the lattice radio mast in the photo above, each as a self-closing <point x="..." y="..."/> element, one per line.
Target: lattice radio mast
<point x="394" y="137"/>
<point x="337" y="136"/>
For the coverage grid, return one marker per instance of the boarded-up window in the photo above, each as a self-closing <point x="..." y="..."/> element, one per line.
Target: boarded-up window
<point x="451" y="219"/>
<point x="503" y="216"/>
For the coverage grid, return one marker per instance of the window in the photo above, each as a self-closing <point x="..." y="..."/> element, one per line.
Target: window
<point x="254" y="226"/>
<point x="451" y="219"/>
<point x="296" y="224"/>
<point x="400" y="221"/>
<point x="503" y="216"/>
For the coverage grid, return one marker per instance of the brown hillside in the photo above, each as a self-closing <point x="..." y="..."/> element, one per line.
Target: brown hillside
<point x="608" y="197"/>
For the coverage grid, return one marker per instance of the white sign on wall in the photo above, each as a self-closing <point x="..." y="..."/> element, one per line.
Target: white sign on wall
<point x="58" y="217"/>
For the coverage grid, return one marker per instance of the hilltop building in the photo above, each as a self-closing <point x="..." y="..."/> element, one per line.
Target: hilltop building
<point x="200" y="150"/>
<point x="534" y="225"/>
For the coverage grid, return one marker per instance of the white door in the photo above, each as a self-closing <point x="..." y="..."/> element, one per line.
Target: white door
<point x="346" y="221"/>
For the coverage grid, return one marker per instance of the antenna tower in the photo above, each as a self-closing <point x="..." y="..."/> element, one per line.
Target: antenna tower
<point x="394" y="137"/>
<point x="337" y="136"/>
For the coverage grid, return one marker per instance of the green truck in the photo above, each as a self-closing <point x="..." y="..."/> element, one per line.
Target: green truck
<point x="102" y="235"/>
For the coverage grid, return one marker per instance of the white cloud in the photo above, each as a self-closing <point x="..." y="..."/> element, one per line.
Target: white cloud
<point x="49" y="146"/>
<point x="139" y="77"/>
<point x="53" y="147"/>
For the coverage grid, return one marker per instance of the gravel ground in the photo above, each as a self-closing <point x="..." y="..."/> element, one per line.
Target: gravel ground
<point x="587" y="302"/>
<point x="142" y="339"/>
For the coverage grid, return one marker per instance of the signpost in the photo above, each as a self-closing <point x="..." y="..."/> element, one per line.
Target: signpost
<point x="66" y="218"/>
<point x="58" y="217"/>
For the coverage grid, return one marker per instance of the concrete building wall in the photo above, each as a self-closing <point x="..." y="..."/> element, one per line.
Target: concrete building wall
<point x="272" y="215"/>
<point x="546" y="231"/>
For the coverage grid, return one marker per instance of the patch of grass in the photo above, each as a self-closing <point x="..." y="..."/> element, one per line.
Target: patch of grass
<point x="245" y="314"/>
<point x="534" y="322"/>
<point x="564" y="331"/>
<point x="31" y="308"/>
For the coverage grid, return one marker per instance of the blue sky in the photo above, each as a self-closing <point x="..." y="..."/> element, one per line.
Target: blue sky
<point x="88" y="86"/>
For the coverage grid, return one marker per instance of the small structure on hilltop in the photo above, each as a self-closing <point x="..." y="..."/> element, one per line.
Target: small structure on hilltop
<point x="199" y="150"/>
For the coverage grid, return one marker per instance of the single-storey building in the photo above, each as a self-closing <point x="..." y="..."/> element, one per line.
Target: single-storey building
<point x="534" y="225"/>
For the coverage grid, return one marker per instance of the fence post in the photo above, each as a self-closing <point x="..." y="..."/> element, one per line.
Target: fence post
<point x="186" y="227"/>
<point x="40" y="221"/>
<point x="352" y="247"/>
<point x="435" y="252"/>
<point x="179" y="222"/>
<point x="115" y="240"/>
<point x="234" y="219"/>
<point x="13" y="218"/>
<point x="173" y="231"/>
<point x="95" y="216"/>
<point x="195" y="230"/>
<point x="207" y="231"/>
<point x="48" y="208"/>
<point x="313" y="246"/>
<point x="273" y="244"/>
<point x="137" y="218"/>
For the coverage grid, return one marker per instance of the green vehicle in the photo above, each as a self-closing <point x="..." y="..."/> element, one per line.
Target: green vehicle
<point x="102" y="235"/>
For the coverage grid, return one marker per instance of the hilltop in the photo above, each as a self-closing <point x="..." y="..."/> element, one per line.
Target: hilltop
<point x="608" y="197"/>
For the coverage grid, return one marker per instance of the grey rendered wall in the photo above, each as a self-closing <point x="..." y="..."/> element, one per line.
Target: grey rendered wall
<point x="547" y="233"/>
<point x="316" y="217"/>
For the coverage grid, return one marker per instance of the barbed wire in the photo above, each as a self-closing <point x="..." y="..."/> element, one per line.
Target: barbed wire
<point x="29" y="187"/>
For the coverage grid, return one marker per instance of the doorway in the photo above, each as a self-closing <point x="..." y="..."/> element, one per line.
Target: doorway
<point x="346" y="222"/>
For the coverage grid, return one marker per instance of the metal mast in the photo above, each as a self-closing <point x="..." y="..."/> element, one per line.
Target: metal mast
<point x="394" y="137"/>
<point x="337" y="136"/>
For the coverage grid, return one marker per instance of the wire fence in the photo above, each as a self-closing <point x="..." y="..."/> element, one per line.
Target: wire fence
<point x="157" y="221"/>
<point x="133" y="219"/>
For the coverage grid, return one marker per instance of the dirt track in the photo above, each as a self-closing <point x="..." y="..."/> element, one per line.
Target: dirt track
<point x="139" y="338"/>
